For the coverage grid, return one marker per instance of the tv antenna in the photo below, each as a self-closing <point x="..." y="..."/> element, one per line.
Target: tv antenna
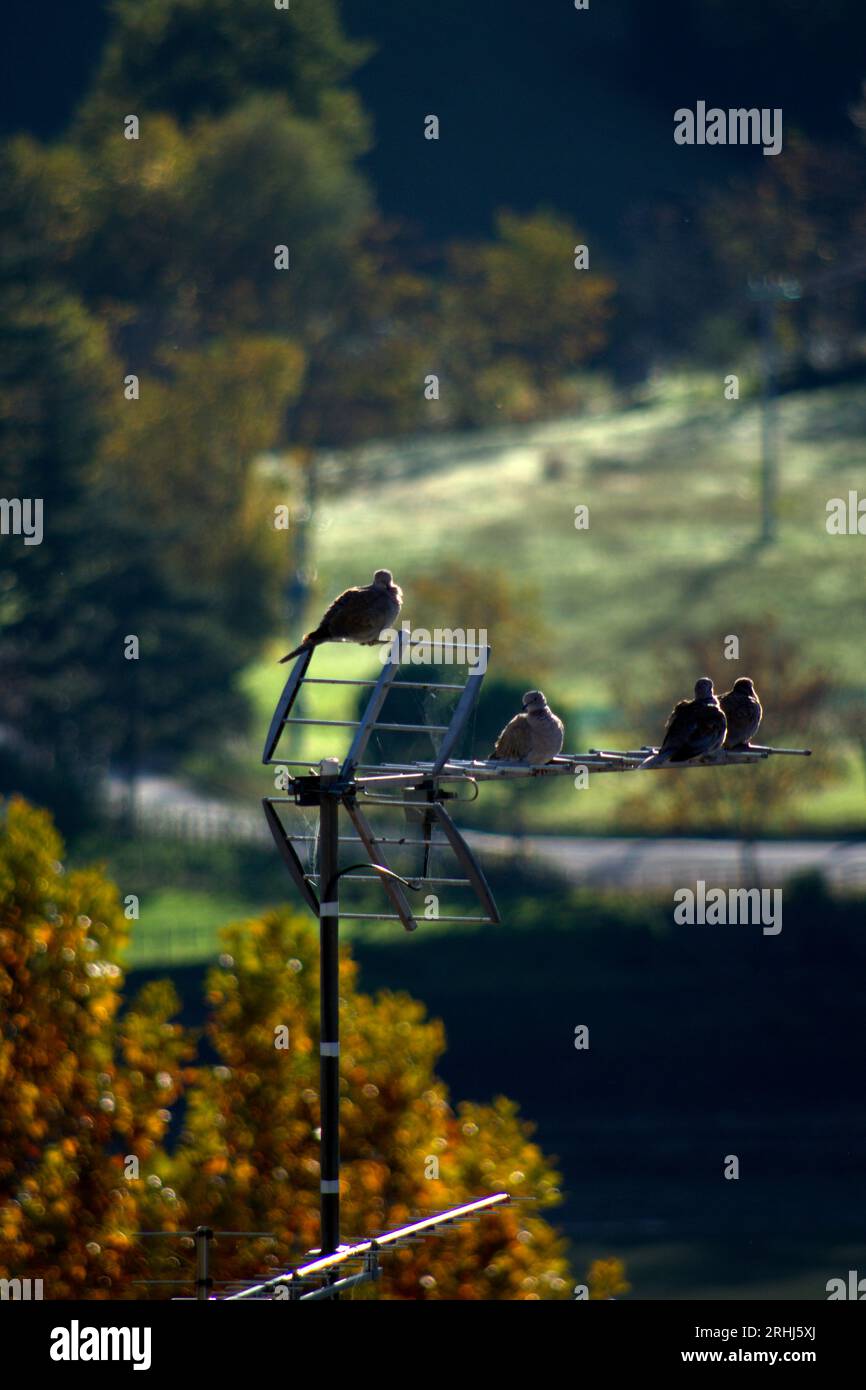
<point x="339" y="789"/>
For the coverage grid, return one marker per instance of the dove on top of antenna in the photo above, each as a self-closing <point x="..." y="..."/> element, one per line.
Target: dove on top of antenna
<point x="358" y="614"/>
<point x="366" y="614"/>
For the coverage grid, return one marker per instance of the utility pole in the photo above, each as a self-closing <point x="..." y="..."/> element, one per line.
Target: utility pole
<point x="769" y="421"/>
<point x="768" y="292"/>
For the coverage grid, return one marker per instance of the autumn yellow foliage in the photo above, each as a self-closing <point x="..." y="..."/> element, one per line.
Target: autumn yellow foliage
<point x="89" y="1082"/>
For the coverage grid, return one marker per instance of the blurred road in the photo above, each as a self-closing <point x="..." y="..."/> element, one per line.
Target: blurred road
<point x="163" y="805"/>
<point x="670" y="863"/>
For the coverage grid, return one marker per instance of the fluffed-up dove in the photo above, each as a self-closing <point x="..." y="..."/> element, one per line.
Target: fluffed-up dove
<point x="357" y="615"/>
<point x="695" y="727"/>
<point x="533" y="737"/>
<point x="743" y="712"/>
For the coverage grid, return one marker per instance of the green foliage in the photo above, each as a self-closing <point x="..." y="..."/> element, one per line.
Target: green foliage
<point x="54" y="393"/>
<point x="517" y="308"/>
<point x="167" y="253"/>
<point x="484" y="598"/>
<point x="116" y="557"/>
<point x="202" y="57"/>
<point x="158" y="525"/>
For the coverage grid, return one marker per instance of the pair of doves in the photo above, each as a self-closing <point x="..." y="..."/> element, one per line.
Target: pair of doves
<point x="705" y="724"/>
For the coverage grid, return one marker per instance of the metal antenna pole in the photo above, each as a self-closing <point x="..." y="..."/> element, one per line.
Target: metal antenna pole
<point x="203" y="1281"/>
<point x="329" y="1004"/>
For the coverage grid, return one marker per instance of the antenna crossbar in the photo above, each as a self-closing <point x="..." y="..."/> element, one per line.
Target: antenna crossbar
<point x="376" y="1244"/>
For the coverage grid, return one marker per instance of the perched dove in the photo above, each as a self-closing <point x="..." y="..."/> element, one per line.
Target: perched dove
<point x="533" y="737"/>
<point x="695" y="727"/>
<point x="743" y="713"/>
<point x="358" y="615"/>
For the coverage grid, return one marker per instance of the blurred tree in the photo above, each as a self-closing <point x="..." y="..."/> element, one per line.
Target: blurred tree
<point x="249" y="1155"/>
<point x="247" y="111"/>
<point x="802" y="217"/>
<point x="54" y="385"/>
<point x="203" y="57"/>
<point x="42" y="208"/>
<point x="84" y="1093"/>
<point x="516" y="309"/>
<point x="157" y="524"/>
<point x="212" y="414"/>
<point x="606" y="1279"/>
<point x="794" y="216"/>
<point x="86" y="1087"/>
<point x="158" y="245"/>
<point x="668" y="312"/>
<point x="187" y="561"/>
<point x="369" y="352"/>
<point x="457" y="596"/>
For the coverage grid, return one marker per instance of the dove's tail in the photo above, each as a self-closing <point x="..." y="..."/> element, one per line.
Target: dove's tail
<point x="657" y="759"/>
<point x="311" y="640"/>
